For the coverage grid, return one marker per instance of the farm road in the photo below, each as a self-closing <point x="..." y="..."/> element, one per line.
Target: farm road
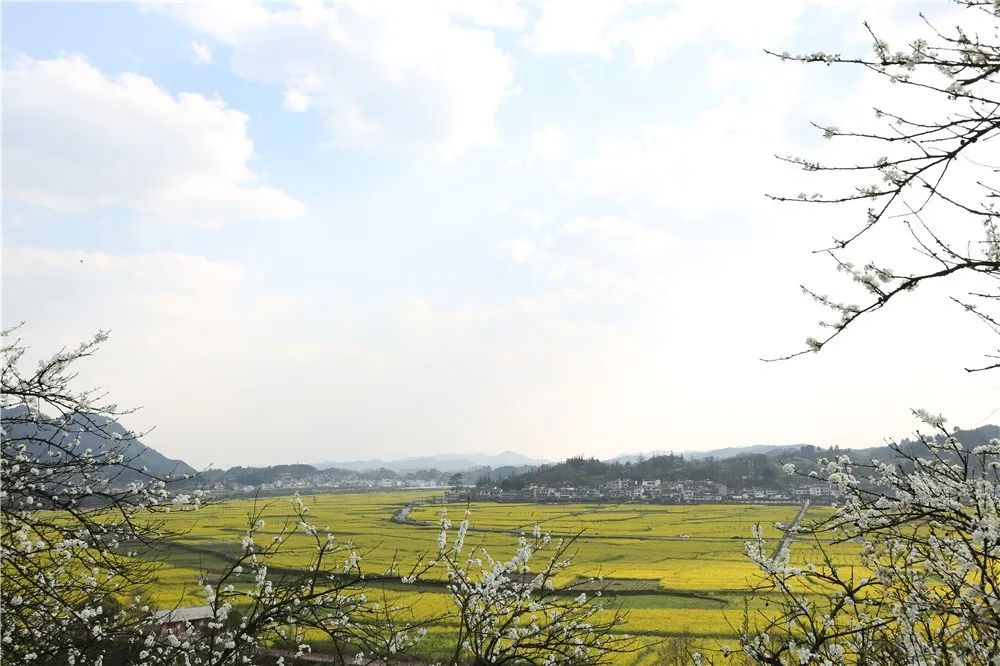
<point x="786" y="541"/>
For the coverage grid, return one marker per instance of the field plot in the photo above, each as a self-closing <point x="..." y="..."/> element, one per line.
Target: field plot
<point x="630" y="520"/>
<point x="685" y="548"/>
<point x="679" y="569"/>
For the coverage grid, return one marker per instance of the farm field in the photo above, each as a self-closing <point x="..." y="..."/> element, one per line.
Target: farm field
<point x="680" y="569"/>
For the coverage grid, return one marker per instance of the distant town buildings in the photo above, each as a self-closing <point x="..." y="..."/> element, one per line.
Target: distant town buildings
<point x="658" y="491"/>
<point x="328" y="482"/>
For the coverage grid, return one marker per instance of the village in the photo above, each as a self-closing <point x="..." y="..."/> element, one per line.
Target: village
<point x="454" y="489"/>
<point x="656" y="491"/>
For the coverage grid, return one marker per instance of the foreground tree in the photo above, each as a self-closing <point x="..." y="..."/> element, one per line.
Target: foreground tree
<point x="512" y="611"/>
<point x="927" y="587"/>
<point x="71" y="516"/>
<point x="926" y="176"/>
<point x="927" y="522"/>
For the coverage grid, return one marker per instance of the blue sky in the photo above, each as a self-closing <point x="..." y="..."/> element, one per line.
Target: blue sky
<point x="326" y="232"/>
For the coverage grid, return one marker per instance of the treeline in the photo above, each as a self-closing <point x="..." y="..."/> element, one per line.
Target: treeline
<point x="754" y="469"/>
<point x="761" y="470"/>
<point x="256" y="476"/>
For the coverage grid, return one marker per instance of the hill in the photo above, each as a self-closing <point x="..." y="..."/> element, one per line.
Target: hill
<point x="727" y="452"/>
<point x="750" y="469"/>
<point x="23" y="426"/>
<point x="761" y="468"/>
<point x="443" y="462"/>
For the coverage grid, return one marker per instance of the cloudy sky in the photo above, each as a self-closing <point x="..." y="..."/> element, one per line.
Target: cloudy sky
<point x="375" y="230"/>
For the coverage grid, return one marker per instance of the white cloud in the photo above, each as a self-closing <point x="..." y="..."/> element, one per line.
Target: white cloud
<point x="180" y="295"/>
<point x="200" y="54"/>
<point x="488" y="13"/>
<point x="521" y="250"/>
<point x="721" y="158"/>
<point x="628" y="236"/>
<point x="412" y="313"/>
<point x="550" y="144"/>
<point x="596" y="255"/>
<point x="566" y="26"/>
<point x="410" y="76"/>
<point x="296" y="101"/>
<point x="652" y="30"/>
<point x="534" y="218"/>
<point x="76" y="139"/>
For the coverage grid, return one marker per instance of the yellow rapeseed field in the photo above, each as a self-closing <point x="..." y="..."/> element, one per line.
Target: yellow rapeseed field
<point x="681" y="569"/>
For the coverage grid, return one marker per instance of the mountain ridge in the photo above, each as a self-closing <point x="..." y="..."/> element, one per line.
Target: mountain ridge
<point x="20" y="424"/>
<point x="724" y="452"/>
<point x="761" y="468"/>
<point x="445" y="462"/>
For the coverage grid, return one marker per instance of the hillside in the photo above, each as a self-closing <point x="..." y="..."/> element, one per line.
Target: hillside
<point x="443" y="462"/>
<point x="726" y="452"/>
<point x="745" y="469"/>
<point x="21" y="426"/>
<point x="752" y="469"/>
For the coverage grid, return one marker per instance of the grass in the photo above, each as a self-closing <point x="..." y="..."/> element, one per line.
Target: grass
<point x="679" y="569"/>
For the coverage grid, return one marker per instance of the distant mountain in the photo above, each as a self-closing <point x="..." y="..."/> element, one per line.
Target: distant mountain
<point x="972" y="437"/>
<point x="20" y="426"/>
<point x="727" y="452"/>
<point x="732" y="451"/>
<point x="444" y="462"/>
<point x="969" y="439"/>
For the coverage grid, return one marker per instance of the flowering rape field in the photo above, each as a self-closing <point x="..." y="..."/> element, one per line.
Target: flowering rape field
<point x="678" y="569"/>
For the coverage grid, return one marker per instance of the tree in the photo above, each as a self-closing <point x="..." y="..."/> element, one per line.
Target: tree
<point x="69" y="522"/>
<point x="927" y="522"/>
<point x="926" y="589"/>
<point x="511" y="613"/>
<point x="926" y="176"/>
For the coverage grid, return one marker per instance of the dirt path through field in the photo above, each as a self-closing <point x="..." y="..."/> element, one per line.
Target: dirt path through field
<point x="786" y="541"/>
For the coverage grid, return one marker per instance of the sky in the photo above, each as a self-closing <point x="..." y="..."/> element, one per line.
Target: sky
<point x="330" y="232"/>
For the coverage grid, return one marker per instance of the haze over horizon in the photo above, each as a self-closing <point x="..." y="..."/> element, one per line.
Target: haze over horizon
<point x="347" y="232"/>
